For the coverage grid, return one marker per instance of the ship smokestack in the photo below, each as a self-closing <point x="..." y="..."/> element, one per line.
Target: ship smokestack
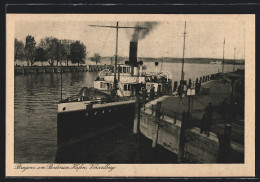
<point x="133" y="54"/>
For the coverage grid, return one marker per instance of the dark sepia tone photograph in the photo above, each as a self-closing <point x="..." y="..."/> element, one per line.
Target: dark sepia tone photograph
<point x="98" y="94"/>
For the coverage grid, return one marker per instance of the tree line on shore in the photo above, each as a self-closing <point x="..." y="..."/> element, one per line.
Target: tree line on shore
<point x="51" y="50"/>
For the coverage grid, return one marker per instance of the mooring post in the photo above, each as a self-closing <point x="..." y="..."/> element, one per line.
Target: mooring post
<point x="175" y="115"/>
<point x="227" y="140"/>
<point x="163" y="113"/>
<point x="157" y="119"/>
<point x="137" y="112"/>
<point x="144" y="97"/>
<point x="182" y="137"/>
<point x="175" y="86"/>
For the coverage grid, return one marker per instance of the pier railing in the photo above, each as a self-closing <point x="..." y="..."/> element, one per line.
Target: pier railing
<point x="194" y="118"/>
<point x="165" y="112"/>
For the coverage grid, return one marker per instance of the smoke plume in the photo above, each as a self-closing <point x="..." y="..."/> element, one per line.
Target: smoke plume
<point x="142" y="30"/>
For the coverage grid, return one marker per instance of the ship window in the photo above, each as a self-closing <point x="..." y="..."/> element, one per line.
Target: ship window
<point x="125" y="87"/>
<point x="129" y="87"/>
<point x="128" y="70"/>
<point x="120" y="69"/>
<point x="124" y="69"/>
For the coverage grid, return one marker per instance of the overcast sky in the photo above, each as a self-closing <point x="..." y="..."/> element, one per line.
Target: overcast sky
<point x="204" y="38"/>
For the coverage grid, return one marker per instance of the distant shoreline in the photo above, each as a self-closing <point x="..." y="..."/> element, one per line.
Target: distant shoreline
<point x="121" y="60"/>
<point x="194" y="60"/>
<point x="179" y="60"/>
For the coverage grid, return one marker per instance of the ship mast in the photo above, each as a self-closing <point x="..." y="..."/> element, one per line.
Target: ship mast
<point x="115" y="81"/>
<point x="161" y="64"/>
<point x="60" y="71"/>
<point x="183" y="59"/>
<point x="234" y="59"/>
<point x="223" y="56"/>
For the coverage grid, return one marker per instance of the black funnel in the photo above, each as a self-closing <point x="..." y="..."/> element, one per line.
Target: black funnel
<point x="133" y="53"/>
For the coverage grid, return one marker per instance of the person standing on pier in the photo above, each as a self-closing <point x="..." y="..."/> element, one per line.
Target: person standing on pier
<point x="206" y="120"/>
<point x="197" y="87"/>
<point x="152" y="93"/>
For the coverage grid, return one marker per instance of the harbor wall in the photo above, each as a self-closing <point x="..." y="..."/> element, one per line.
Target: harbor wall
<point x="58" y="69"/>
<point x="198" y="148"/>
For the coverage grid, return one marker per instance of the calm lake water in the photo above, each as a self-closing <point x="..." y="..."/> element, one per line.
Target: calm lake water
<point x="35" y="105"/>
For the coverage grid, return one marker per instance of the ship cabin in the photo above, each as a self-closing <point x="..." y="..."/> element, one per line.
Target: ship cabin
<point x="160" y="83"/>
<point x="127" y="77"/>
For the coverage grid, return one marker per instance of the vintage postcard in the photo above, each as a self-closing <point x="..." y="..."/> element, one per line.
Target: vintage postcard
<point x="138" y="95"/>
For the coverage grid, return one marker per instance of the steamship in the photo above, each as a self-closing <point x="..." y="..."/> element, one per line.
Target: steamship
<point x="110" y="102"/>
<point x="130" y="74"/>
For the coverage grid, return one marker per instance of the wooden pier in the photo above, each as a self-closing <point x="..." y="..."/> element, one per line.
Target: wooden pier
<point x="167" y="132"/>
<point x="225" y="142"/>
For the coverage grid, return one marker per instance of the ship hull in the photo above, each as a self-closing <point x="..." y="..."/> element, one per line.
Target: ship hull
<point x="77" y="125"/>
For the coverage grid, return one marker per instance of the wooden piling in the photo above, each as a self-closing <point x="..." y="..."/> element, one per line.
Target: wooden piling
<point x="157" y="119"/>
<point x="136" y="127"/>
<point x="182" y="137"/>
<point x="227" y="140"/>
